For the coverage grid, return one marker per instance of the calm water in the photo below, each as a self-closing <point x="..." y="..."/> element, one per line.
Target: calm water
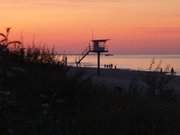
<point x="137" y="62"/>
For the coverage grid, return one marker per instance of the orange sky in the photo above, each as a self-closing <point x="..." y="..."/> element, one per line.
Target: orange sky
<point x="135" y="26"/>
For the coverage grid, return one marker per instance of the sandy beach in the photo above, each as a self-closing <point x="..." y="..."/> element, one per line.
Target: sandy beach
<point x="122" y="78"/>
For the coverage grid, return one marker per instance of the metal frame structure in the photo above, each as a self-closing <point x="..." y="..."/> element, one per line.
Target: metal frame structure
<point x="97" y="46"/>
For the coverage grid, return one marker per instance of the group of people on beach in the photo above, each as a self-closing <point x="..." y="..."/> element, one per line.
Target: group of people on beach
<point x="110" y="66"/>
<point x="172" y="71"/>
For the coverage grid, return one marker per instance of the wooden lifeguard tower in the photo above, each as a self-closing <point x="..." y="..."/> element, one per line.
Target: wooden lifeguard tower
<point x="96" y="46"/>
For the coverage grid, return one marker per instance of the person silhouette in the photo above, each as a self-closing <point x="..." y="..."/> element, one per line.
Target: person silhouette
<point x="161" y="70"/>
<point x="172" y="71"/>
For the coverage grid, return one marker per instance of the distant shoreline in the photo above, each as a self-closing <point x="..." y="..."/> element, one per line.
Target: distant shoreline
<point x="104" y="70"/>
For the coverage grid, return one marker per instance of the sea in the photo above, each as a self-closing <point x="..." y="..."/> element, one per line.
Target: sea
<point x="132" y="62"/>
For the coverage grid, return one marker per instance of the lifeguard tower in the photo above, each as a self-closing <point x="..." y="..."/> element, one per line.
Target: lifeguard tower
<point x="96" y="46"/>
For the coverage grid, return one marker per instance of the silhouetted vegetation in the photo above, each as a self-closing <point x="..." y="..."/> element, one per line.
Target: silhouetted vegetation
<point x="39" y="97"/>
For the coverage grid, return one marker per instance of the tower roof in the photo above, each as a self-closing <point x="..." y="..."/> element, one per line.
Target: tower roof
<point x="100" y="40"/>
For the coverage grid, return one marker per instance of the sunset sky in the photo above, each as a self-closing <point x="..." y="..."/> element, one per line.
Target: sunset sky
<point x="135" y="26"/>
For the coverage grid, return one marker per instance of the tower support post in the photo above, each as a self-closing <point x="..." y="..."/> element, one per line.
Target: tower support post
<point x="98" y="63"/>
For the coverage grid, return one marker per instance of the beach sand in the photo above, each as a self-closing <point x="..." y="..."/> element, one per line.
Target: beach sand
<point x="117" y="79"/>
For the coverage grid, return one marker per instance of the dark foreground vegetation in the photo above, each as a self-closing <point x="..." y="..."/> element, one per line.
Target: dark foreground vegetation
<point x="37" y="97"/>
